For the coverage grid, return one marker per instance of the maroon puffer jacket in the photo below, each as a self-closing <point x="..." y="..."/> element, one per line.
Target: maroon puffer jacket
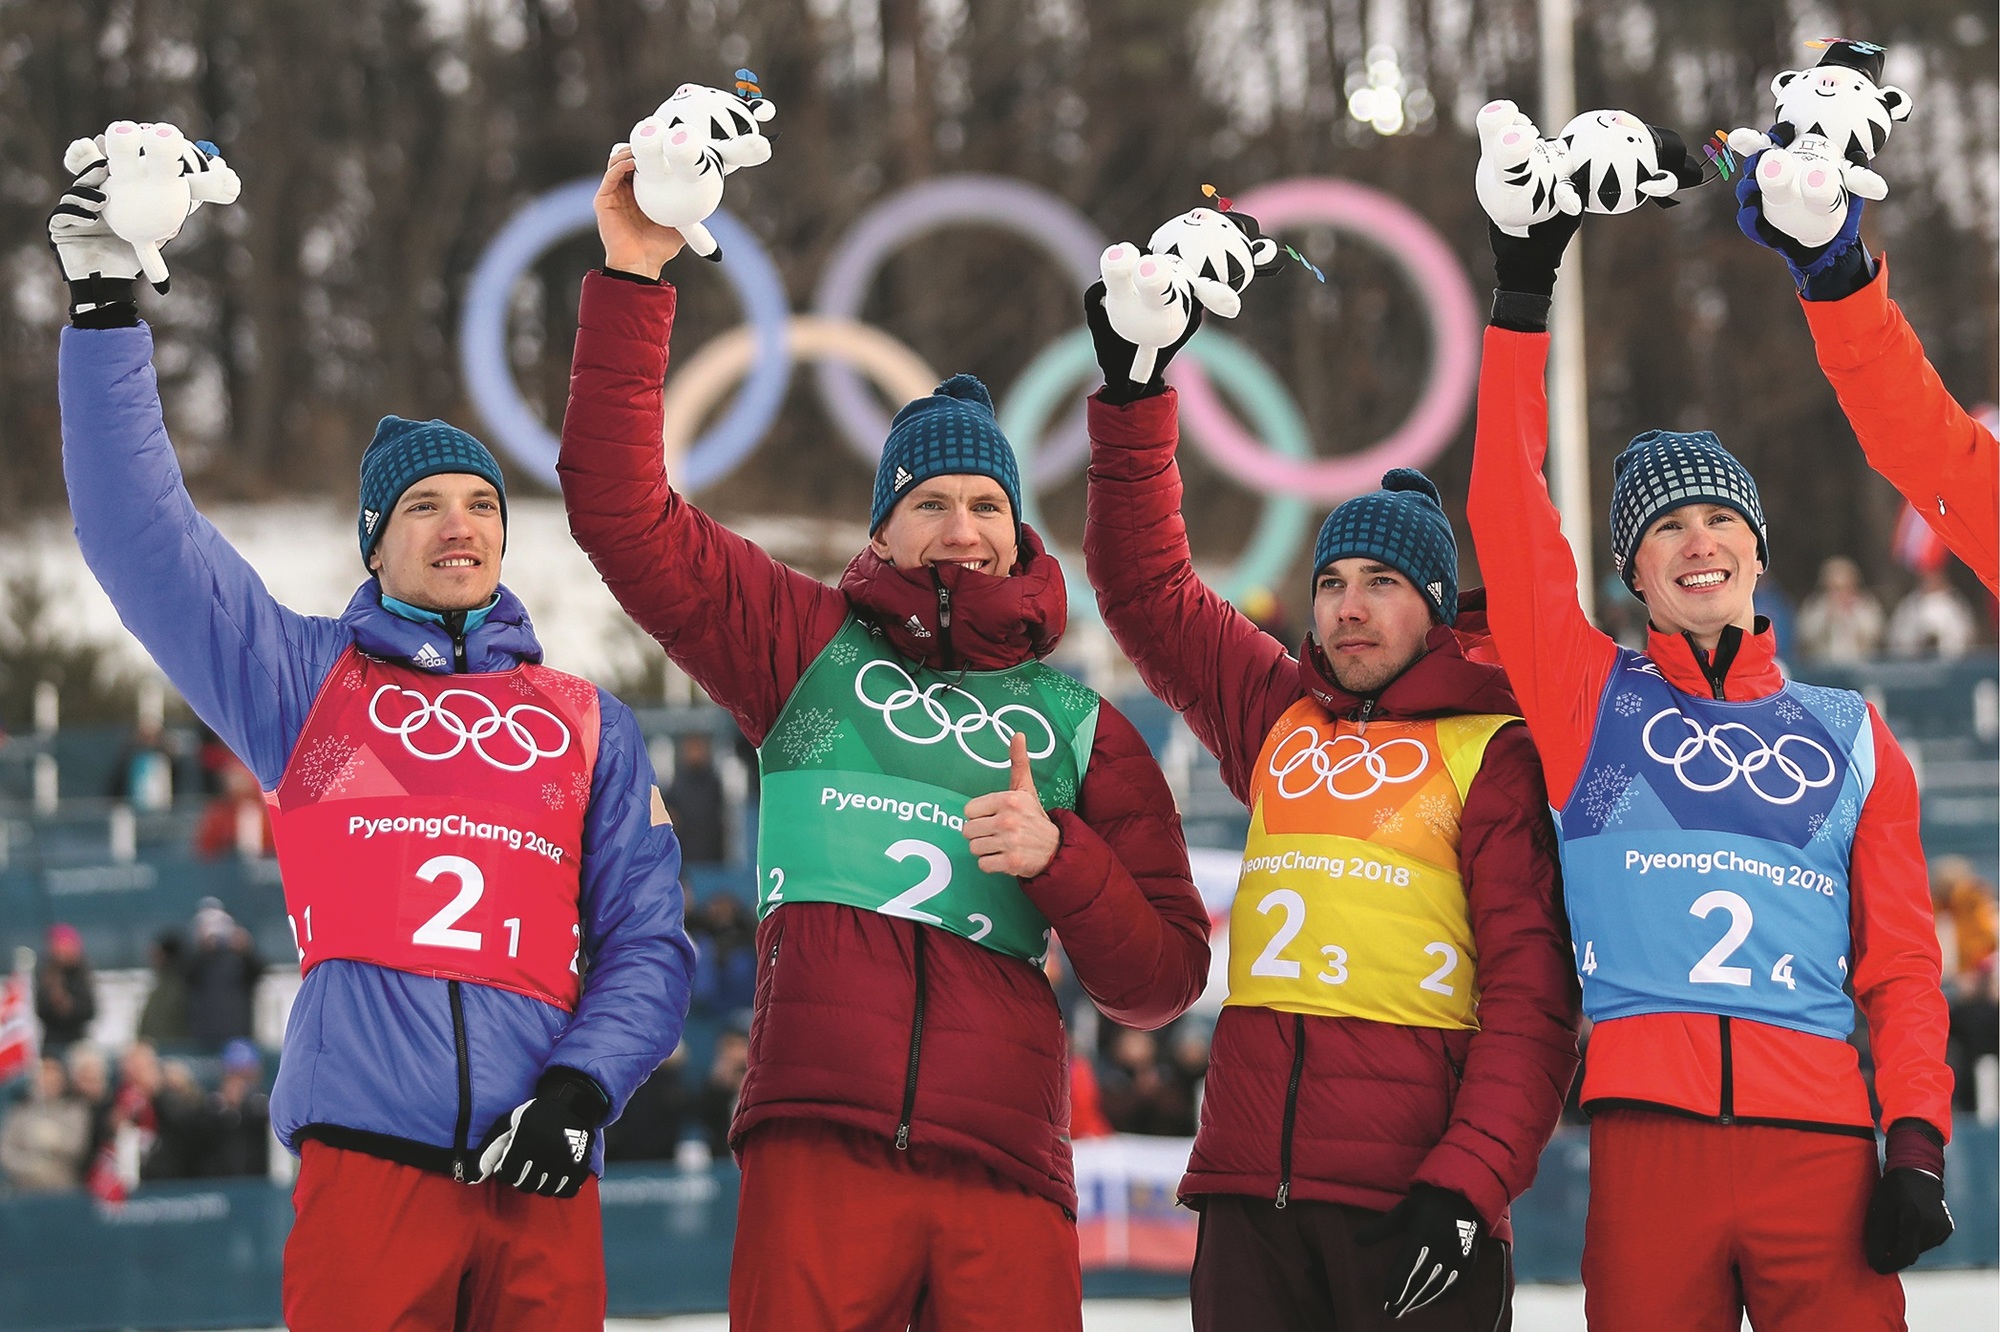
<point x="1342" y="1109"/>
<point x="862" y="1019"/>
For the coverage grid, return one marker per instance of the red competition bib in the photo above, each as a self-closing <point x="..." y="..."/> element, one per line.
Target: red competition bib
<point x="434" y="824"/>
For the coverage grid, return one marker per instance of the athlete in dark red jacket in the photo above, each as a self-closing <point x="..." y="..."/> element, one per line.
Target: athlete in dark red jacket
<point x="1314" y="1119"/>
<point x="904" y="1128"/>
<point x="1732" y="1147"/>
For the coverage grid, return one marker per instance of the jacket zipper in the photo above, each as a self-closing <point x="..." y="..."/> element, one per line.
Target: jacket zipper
<point x="944" y="615"/>
<point x="459" y="1158"/>
<point x="1728" y="1075"/>
<point x="1291" y="1109"/>
<point x="1362" y="717"/>
<point x="916" y="1046"/>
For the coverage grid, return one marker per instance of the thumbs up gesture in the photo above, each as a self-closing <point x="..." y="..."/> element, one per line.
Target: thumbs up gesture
<point x="1009" y="830"/>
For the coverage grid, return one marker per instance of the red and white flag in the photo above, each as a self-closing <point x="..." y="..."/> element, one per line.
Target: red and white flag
<point x="17" y="1025"/>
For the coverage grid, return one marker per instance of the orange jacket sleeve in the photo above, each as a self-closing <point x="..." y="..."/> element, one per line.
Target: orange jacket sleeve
<point x="1556" y="659"/>
<point x="1946" y="464"/>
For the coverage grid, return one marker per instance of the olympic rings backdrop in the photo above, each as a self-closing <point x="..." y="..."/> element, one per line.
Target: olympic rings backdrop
<point x="1271" y="455"/>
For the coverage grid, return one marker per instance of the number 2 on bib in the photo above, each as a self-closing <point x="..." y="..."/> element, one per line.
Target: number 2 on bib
<point x="438" y="931"/>
<point x="937" y="878"/>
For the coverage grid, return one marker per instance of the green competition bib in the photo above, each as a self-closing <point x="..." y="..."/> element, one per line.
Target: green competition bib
<point x="867" y="772"/>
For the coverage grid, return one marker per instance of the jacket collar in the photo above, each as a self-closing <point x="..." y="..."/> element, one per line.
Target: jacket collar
<point x="502" y="641"/>
<point x="955" y="619"/>
<point x="1745" y="665"/>
<point x="1458" y="673"/>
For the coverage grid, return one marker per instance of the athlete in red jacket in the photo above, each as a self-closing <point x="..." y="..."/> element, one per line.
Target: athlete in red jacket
<point x="1945" y="463"/>
<point x="1366" y="1080"/>
<point x="904" y="1128"/>
<point x="1736" y="850"/>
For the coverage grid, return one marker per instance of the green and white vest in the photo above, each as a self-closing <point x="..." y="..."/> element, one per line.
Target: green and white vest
<point x="867" y="772"/>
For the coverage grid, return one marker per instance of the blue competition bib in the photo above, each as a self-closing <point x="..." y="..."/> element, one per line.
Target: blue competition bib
<point x="1705" y="850"/>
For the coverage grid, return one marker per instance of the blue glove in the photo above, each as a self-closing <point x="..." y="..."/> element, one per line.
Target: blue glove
<point x="1839" y="268"/>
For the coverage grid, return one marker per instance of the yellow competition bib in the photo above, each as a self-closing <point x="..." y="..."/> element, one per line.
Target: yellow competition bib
<point x="1350" y="902"/>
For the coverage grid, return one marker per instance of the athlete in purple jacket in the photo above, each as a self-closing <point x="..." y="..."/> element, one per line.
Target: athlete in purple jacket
<point x="478" y="870"/>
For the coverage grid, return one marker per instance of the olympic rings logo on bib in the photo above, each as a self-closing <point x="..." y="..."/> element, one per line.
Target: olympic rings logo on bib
<point x="1706" y="740"/>
<point x="520" y="749"/>
<point x="936" y="721"/>
<point x="1330" y="761"/>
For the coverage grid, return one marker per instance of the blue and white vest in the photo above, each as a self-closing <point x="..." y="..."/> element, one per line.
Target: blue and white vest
<point x="1705" y="850"/>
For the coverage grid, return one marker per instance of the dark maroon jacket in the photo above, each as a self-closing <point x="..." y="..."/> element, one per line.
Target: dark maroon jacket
<point x="1377" y="1107"/>
<point x="862" y="1019"/>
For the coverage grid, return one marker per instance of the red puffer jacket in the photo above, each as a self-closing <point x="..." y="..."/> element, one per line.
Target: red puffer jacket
<point x="1729" y="1070"/>
<point x="1342" y="1109"/>
<point x="863" y="1019"/>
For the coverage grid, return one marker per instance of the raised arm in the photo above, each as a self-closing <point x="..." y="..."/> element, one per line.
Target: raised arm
<point x="1195" y="651"/>
<point x="1556" y="659"/>
<point x="741" y="623"/>
<point x="247" y="666"/>
<point x="1945" y="463"/>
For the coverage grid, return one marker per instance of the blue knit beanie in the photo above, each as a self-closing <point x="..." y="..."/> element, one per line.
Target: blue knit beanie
<point x="1662" y="470"/>
<point x="404" y="453"/>
<point x="1403" y="526"/>
<point x="951" y="433"/>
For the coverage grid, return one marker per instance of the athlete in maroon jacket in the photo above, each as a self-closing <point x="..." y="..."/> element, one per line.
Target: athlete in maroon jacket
<point x="904" y="1128"/>
<point x="1328" y="1103"/>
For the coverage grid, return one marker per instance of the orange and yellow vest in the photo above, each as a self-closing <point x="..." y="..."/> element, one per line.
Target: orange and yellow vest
<point x="1350" y="902"/>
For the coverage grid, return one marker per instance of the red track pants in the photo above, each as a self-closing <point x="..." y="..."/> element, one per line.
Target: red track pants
<point x="1692" y="1223"/>
<point x="836" y="1229"/>
<point x="381" y="1246"/>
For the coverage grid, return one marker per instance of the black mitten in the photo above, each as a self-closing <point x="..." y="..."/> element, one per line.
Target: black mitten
<point x="1440" y="1232"/>
<point x="544" y="1145"/>
<point x="1114" y="354"/>
<point x="1907" y="1214"/>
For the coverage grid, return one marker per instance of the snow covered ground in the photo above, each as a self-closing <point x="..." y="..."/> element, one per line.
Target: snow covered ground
<point x="1938" y="1302"/>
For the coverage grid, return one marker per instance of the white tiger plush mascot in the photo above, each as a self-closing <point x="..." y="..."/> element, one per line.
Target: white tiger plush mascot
<point x="1523" y="178"/>
<point x="1618" y="161"/>
<point x="1203" y="255"/>
<point x="684" y="149"/>
<point x="1831" y="121"/>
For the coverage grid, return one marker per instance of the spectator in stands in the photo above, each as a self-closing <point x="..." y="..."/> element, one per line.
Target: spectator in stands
<point x="90" y="1087"/>
<point x="1841" y="622"/>
<point x="235" y="821"/>
<point x="694" y="798"/>
<point x="164" y="1019"/>
<point x="726" y="933"/>
<point x="1139" y="1091"/>
<point x="1932" y="621"/>
<point x="715" y="1105"/>
<point x="1963" y="903"/>
<point x="65" y="991"/>
<point x="43" y="1140"/>
<point x="222" y="977"/>
<point x="144" y="773"/>
<point x="236" y="1128"/>
<point x="1188" y="1051"/>
<point x="135" y="1120"/>
<point x="650" y="1128"/>
<point x="180" y="1125"/>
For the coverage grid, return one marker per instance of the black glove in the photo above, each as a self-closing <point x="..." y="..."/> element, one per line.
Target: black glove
<point x="1826" y="272"/>
<point x="1114" y="354"/>
<point x="1440" y="1233"/>
<point x="1907" y="1214"/>
<point x="1528" y="263"/>
<point x="544" y="1145"/>
<point x="99" y="267"/>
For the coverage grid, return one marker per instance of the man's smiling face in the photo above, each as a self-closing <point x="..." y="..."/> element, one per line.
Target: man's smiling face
<point x="962" y="519"/>
<point x="440" y="547"/>
<point x="1697" y="568"/>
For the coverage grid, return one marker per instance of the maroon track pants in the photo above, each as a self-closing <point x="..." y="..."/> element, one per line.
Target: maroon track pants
<point x="380" y="1246"/>
<point x="837" y="1231"/>
<point x="1693" y="1223"/>
<point x="1299" y="1270"/>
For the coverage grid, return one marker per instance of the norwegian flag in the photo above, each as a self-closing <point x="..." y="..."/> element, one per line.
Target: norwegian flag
<point x="1917" y="547"/>
<point x="17" y="1026"/>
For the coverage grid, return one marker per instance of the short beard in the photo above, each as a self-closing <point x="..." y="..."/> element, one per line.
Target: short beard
<point x="1367" y="682"/>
